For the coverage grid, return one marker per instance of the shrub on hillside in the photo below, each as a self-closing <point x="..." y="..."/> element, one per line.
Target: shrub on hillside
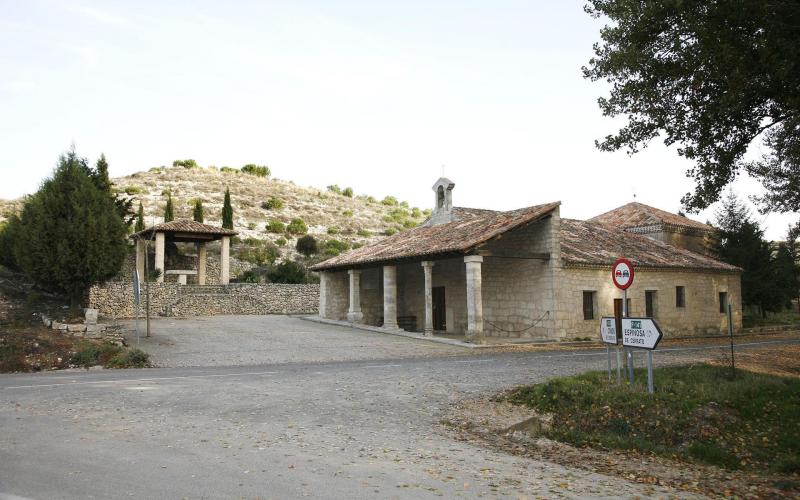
<point x="347" y="213"/>
<point x="334" y="188"/>
<point x="281" y="241"/>
<point x="229" y="170"/>
<point x="333" y="230"/>
<point x="259" y="252"/>
<point x="273" y="203"/>
<point x="257" y="170"/>
<point x="390" y="201"/>
<point x="364" y="233"/>
<point x="185" y="163"/>
<point x="335" y="247"/>
<point x="276" y="226"/>
<point x="389" y="231"/>
<point x="348" y="191"/>
<point x="297" y="226"/>
<point x="307" y="245"/>
<point x="131" y="190"/>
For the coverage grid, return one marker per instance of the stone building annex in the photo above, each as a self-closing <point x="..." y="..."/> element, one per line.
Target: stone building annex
<point x="528" y="273"/>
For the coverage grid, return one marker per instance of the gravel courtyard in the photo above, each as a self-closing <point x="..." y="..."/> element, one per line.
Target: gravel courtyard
<point x="252" y="340"/>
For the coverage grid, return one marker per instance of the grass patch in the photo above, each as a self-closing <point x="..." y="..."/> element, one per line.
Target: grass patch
<point x="110" y="356"/>
<point x="697" y="413"/>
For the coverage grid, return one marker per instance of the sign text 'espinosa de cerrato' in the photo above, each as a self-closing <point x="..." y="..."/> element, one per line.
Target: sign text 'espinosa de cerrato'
<point x="643" y="333"/>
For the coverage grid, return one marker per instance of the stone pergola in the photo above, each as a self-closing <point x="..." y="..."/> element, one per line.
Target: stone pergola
<point x="185" y="231"/>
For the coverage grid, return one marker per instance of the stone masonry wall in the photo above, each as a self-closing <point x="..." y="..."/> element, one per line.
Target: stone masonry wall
<point x="699" y="316"/>
<point x="115" y="299"/>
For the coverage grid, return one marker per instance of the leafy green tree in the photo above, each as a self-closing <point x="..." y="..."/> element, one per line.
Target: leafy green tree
<point x="288" y="272"/>
<point x="712" y="77"/>
<point x="8" y="236"/>
<point x="307" y="245"/>
<point x="227" y="211"/>
<point x="197" y="213"/>
<point x="169" y="210"/>
<point x="139" y="219"/>
<point x="786" y="274"/>
<point x="70" y="234"/>
<point x="741" y="243"/>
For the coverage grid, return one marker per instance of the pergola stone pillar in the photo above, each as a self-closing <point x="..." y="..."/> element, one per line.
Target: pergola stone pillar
<point x="225" y="261"/>
<point x="160" y="256"/>
<point x="390" y="297"/>
<point x="474" y="300"/>
<point x="202" y="257"/>
<point x="427" y="267"/>
<point x="140" y="256"/>
<point x="354" y="314"/>
<point x="323" y="294"/>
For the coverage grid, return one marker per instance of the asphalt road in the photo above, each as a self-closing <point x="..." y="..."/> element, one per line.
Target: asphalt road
<point x="344" y="429"/>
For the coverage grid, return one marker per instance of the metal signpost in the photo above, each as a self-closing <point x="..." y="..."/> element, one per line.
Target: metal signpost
<point x="622" y="276"/>
<point x="608" y="332"/>
<point x="642" y="333"/>
<point x="136" y="300"/>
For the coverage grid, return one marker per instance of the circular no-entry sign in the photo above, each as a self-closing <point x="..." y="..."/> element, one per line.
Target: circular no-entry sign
<point x="622" y="273"/>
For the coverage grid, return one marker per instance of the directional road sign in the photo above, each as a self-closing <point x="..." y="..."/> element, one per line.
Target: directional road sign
<point x="608" y="330"/>
<point x="643" y="333"/>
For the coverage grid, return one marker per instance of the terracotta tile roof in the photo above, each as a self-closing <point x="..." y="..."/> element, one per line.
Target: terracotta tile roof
<point x="185" y="226"/>
<point x="470" y="228"/>
<point x="592" y="243"/>
<point x="639" y="215"/>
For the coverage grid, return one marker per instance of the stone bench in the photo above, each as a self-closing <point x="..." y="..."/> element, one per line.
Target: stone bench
<point x="182" y="274"/>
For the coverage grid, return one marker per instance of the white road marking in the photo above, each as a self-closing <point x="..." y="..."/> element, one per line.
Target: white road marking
<point x="381" y="366"/>
<point x="151" y="379"/>
<point x="474" y="360"/>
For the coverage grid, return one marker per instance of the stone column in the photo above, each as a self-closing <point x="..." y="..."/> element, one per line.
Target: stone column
<point x="323" y="293"/>
<point x="354" y="314"/>
<point x="140" y="256"/>
<point x="202" y="258"/>
<point x="390" y="297"/>
<point x="427" y="267"/>
<point x="225" y="261"/>
<point x="474" y="300"/>
<point x="160" y="256"/>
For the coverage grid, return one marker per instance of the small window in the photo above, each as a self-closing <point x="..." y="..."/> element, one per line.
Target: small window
<point x="588" y="305"/>
<point x="680" y="296"/>
<point x="650" y="303"/>
<point x="440" y="197"/>
<point x="723" y="302"/>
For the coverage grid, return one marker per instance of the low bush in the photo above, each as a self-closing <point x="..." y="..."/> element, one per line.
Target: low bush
<point x="274" y="203"/>
<point x="251" y="225"/>
<point x="347" y="213"/>
<point x="276" y="226"/>
<point x="229" y="170"/>
<point x="334" y="188"/>
<point x="335" y="247"/>
<point x="129" y="358"/>
<point x="389" y="231"/>
<point x="390" y="201"/>
<point x="348" y="191"/>
<point x="257" y="170"/>
<point x="281" y="241"/>
<point x="185" y="163"/>
<point x="289" y="272"/>
<point x="364" y="233"/>
<point x="333" y="230"/>
<point x="131" y="190"/>
<point x="297" y="226"/>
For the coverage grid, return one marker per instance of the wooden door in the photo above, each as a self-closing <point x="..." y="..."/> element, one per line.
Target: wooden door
<point x="439" y="315"/>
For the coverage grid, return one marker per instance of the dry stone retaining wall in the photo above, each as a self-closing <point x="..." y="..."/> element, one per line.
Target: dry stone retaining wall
<point x="115" y="299"/>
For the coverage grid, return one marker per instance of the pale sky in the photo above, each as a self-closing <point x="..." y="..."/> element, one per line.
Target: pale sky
<point x="376" y="95"/>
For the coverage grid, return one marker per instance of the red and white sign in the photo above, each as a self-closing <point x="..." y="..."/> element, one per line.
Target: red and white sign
<point x="622" y="273"/>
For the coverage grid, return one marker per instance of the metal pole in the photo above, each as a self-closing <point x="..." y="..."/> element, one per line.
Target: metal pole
<point x="650" y="372"/>
<point x="608" y="355"/>
<point x="137" y="324"/>
<point x="619" y="364"/>
<point x="629" y="357"/>
<point x="730" y="333"/>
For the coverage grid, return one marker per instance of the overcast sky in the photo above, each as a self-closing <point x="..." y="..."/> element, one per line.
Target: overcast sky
<point x="376" y="95"/>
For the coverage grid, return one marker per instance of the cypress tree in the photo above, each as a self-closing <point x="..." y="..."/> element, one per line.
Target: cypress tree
<point x="70" y="234"/>
<point x="100" y="178"/>
<point x="169" y="213"/>
<point x="198" y="210"/>
<point x="139" y="219"/>
<point x="227" y="211"/>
